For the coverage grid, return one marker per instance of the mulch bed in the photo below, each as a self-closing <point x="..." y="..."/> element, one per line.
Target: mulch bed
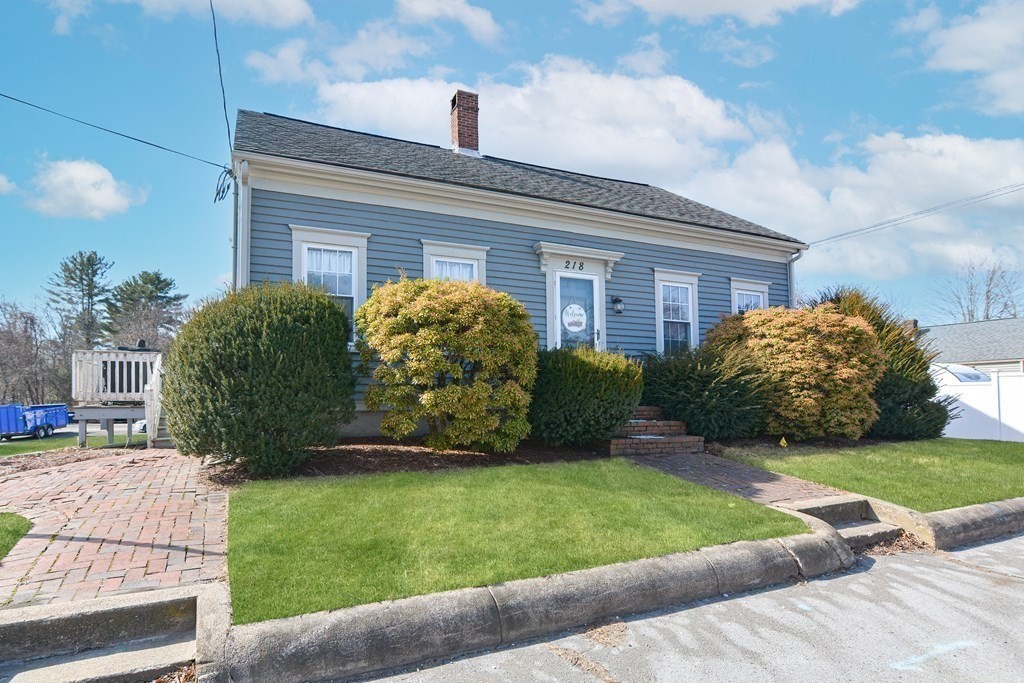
<point x="62" y="456"/>
<point x="376" y="455"/>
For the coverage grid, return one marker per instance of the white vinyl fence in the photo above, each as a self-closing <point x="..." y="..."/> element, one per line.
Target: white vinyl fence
<point x="991" y="408"/>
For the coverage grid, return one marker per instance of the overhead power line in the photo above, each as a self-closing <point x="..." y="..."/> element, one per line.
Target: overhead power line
<point x="923" y="213"/>
<point x="224" y="182"/>
<point x="113" y="132"/>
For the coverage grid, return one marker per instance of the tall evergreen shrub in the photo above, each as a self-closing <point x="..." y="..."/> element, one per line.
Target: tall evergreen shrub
<point x="719" y="394"/>
<point x="259" y="376"/>
<point x="906" y="395"/>
<point x="583" y="395"/>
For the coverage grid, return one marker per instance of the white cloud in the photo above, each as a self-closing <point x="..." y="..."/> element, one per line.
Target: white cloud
<point x="287" y="64"/>
<point x="564" y="113"/>
<point x="81" y="189"/>
<point x="988" y="44"/>
<point x="274" y="13"/>
<point x="6" y="186"/>
<point x="665" y="130"/>
<point x="67" y="11"/>
<point x="378" y="47"/>
<point x="752" y="12"/>
<point x="648" y="59"/>
<point x="897" y="175"/>
<point x="478" y="21"/>
<point x="734" y="49"/>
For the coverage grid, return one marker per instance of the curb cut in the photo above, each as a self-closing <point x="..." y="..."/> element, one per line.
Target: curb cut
<point x="387" y="635"/>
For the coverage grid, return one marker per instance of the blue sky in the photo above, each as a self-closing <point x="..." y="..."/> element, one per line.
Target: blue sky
<point x="809" y="116"/>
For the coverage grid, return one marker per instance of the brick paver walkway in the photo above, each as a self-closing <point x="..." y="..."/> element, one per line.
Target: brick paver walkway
<point x="112" y="525"/>
<point x="733" y="477"/>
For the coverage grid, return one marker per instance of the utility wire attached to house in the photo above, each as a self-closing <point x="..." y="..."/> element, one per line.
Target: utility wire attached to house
<point x="923" y="213"/>
<point x="227" y="176"/>
<point x="113" y="132"/>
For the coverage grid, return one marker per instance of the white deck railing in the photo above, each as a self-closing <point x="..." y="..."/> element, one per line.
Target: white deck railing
<point x="111" y="376"/>
<point x="153" y="402"/>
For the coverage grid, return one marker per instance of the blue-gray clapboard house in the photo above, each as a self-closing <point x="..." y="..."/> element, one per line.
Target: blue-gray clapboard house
<point x="612" y="263"/>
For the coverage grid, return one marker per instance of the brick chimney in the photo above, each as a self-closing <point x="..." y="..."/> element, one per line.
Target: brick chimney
<point x="465" y="131"/>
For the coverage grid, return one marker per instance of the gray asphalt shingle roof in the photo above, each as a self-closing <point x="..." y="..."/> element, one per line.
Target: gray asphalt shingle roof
<point x="979" y="341"/>
<point x="294" y="139"/>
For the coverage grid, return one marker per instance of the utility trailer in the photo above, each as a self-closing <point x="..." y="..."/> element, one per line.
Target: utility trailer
<point x="38" y="421"/>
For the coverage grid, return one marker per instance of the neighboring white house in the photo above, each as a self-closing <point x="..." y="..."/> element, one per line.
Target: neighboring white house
<point x="988" y="345"/>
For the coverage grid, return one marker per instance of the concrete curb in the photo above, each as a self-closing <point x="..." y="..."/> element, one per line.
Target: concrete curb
<point x="50" y="630"/>
<point x="946" y="529"/>
<point x="960" y="526"/>
<point x="387" y="635"/>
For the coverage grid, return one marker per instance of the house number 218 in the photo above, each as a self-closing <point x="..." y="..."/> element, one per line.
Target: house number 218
<point x="574" y="265"/>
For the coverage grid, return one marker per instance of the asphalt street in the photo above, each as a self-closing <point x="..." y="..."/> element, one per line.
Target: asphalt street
<point x="920" y="616"/>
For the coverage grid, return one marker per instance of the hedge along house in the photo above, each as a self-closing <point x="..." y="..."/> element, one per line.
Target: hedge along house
<point x="610" y="263"/>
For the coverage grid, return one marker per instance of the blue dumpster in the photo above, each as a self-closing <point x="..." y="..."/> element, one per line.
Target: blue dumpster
<point x="38" y="420"/>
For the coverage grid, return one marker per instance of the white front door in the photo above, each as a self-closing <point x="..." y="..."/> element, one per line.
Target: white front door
<point x="579" y="310"/>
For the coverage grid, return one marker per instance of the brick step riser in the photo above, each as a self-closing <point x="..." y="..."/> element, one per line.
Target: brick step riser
<point x="654" y="428"/>
<point x="648" y="413"/>
<point x="653" y="449"/>
<point x="666" y="446"/>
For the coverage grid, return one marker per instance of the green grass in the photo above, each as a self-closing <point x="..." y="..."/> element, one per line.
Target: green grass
<point x="924" y="475"/>
<point x="30" y="444"/>
<point x="12" y="528"/>
<point x="305" y="545"/>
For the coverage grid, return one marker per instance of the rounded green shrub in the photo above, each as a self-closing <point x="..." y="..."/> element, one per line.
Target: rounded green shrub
<point x="906" y="394"/>
<point x="457" y="356"/>
<point x="720" y="395"/>
<point x="583" y="395"/>
<point x="259" y="376"/>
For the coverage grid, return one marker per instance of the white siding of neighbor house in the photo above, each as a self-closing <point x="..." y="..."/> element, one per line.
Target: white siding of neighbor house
<point x="512" y="265"/>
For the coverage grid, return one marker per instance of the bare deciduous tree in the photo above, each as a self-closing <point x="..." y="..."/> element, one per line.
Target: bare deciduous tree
<point x="986" y="289"/>
<point x="33" y="365"/>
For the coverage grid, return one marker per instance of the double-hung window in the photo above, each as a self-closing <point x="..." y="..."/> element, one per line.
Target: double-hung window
<point x="333" y="260"/>
<point x="449" y="261"/>
<point x="676" y="309"/>
<point x="333" y="270"/>
<point x="748" y="295"/>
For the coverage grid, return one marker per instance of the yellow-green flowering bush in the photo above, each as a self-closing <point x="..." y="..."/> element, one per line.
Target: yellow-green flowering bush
<point x="456" y="355"/>
<point x="820" y="368"/>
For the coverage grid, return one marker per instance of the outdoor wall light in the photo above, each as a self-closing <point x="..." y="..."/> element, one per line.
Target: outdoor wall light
<point x="618" y="305"/>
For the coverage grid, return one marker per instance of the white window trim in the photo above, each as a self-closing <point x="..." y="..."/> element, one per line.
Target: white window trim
<point x="741" y="286"/>
<point x="676" y="277"/>
<point x="304" y="237"/>
<point x="449" y="251"/>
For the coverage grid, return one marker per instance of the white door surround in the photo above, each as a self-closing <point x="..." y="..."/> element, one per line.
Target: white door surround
<point x="596" y="265"/>
<point x="595" y="313"/>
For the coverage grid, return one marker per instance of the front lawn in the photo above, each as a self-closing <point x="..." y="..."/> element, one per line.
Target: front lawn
<point x="29" y="444"/>
<point x="310" y="544"/>
<point x="924" y="475"/>
<point x="12" y="528"/>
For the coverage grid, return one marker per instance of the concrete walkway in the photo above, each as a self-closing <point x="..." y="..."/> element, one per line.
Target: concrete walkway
<point x="112" y="525"/>
<point x="733" y="477"/>
<point x="910" y="617"/>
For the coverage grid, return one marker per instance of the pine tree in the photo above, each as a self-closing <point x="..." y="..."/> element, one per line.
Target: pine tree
<point x="145" y="306"/>
<point x="78" y="290"/>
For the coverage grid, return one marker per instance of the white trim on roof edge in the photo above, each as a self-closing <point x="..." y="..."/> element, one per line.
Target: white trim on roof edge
<point x="382" y="189"/>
